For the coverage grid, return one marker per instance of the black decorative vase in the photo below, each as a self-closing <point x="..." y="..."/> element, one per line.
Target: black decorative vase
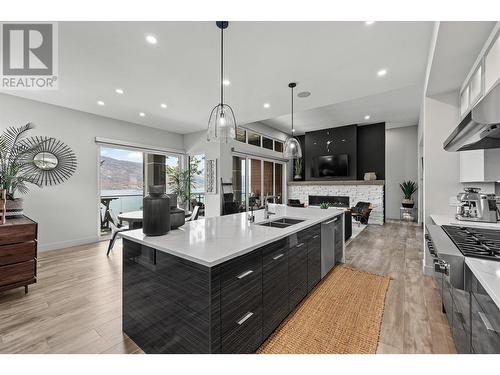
<point x="177" y="215"/>
<point x="156" y="212"/>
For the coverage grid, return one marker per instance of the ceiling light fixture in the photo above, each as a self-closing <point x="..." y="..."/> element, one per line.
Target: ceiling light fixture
<point x="267" y="105"/>
<point x="367" y="117"/>
<point x="142" y="114"/>
<point x="382" y="72"/>
<point x="163" y="105"/>
<point x="119" y="91"/>
<point x="368" y="23"/>
<point x="151" y="39"/>
<point x="292" y="149"/>
<point x="221" y="123"/>
<point x="100" y="102"/>
<point x="304" y="94"/>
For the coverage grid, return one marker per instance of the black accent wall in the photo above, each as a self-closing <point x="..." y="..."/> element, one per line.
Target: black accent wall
<point x="371" y="150"/>
<point x="364" y="145"/>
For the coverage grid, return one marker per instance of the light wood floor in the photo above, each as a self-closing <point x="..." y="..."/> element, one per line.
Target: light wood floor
<point x="413" y="321"/>
<point x="76" y="305"/>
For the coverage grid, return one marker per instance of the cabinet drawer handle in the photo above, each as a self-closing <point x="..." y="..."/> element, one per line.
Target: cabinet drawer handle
<point x="486" y="322"/>
<point x="278" y="256"/>
<point x="300" y="244"/>
<point x="331" y="221"/>
<point x="247" y="316"/>
<point x="244" y="274"/>
<point x="316" y="236"/>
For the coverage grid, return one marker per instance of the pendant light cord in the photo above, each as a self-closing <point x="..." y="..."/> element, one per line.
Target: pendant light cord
<point x="222" y="66"/>
<point x="292" y="112"/>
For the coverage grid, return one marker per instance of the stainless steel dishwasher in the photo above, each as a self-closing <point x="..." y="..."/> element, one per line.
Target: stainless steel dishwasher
<point x="330" y="238"/>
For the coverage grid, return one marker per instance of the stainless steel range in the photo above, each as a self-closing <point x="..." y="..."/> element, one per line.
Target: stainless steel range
<point x="448" y="246"/>
<point x="448" y="262"/>
<point x="475" y="242"/>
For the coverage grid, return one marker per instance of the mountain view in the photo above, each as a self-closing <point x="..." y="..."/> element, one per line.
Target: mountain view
<point x="121" y="174"/>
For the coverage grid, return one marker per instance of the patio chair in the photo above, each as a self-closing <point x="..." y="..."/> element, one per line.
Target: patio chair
<point x="194" y="214"/>
<point x="116" y="227"/>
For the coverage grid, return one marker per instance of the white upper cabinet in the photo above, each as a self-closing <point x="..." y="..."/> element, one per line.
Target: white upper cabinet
<point x="464" y="101"/>
<point x="492" y="65"/>
<point x="484" y="74"/>
<point x="476" y="86"/>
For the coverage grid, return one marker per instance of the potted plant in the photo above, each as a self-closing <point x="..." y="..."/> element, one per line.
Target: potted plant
<point x="324" y="205"/>
<point x="14" y="174"/>
<point x="298" y="169"/>
<point x="408" y="188"/>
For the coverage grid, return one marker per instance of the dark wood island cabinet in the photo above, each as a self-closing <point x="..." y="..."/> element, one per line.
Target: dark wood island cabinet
<point x="174" y="305"/>
<point x="18" y="253"/>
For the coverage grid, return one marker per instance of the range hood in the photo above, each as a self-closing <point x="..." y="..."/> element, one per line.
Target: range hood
<point x="480" y="129"/>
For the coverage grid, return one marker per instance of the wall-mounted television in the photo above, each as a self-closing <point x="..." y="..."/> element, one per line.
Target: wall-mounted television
<point x="326" y="166"/>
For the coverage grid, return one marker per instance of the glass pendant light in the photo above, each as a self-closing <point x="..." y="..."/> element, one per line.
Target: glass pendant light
<point x="292" y="148"/>
<point x="222" y="123"/>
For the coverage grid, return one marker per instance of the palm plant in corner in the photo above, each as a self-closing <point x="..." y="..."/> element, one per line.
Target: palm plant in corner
<point x="408" y="188"/>
<point x="14" y="174"/>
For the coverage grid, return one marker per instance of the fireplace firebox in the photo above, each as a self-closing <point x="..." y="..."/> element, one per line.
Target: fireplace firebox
<point x="333" y="200"/>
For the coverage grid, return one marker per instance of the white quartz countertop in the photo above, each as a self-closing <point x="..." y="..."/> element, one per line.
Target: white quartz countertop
<point x="211" y="241"/>
<point x="450" y="220"/>
<point x="488" y="274"/>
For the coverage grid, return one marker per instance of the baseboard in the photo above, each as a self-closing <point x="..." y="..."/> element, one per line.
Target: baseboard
<point x="65" y="244"/>
<point x="428" y="270"/>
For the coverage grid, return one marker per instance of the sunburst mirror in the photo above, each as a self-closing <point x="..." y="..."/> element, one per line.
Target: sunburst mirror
<point x="50" y="161"/>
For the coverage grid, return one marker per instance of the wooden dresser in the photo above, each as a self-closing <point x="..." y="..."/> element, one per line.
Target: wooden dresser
<point x="18" y="252"/>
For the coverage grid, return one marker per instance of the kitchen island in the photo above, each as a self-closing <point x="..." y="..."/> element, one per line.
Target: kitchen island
<point x="223" y="284"/>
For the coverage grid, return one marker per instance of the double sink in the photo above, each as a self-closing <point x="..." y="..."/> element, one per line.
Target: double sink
<point x="283" y="222"/>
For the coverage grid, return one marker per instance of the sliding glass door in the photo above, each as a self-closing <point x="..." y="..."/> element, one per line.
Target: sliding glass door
<point x="264" y="178"/>
<point x="125" y="176"/>
<point x="121" y="175"/>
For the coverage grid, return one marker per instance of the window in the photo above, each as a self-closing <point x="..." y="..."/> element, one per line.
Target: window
<point x="264" y="177"/>
<point x="267" y="143"/>
<point x="240" y="182"/>
<point x="162" y="170"/>
<point x="121" y="176"/>
<point x="254" y="139"/>
<point x="278" y="182"/>
<point x="278" y="146"/>
<point x="241" y="135"/>
<point x="197" y="172"/>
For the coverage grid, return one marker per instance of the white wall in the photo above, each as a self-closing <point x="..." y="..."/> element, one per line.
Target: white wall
<point x="401" y="164"/>
<point x="68" y="213"/>
<point x="442" y="168"/>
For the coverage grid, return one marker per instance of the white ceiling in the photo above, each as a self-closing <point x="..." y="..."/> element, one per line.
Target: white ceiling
<point x="336" y="61"/>
<point x="457" y="47"/>
<point x="396" y="108"/>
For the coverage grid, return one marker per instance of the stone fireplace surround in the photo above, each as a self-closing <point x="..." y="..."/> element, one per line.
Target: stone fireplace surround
<point x="357" y="191"/>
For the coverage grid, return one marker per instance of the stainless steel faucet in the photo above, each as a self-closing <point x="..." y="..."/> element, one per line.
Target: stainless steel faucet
<point x="266" y="206"/>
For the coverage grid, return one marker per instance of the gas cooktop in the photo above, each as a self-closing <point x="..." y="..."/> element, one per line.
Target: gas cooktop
<point x="475" y="242"/>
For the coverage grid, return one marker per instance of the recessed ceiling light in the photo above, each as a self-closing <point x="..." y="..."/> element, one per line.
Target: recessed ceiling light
<point x="119" y="91"/>
<point x="142" y="114"/>
<point x="100" y="102"/>
<point x="226" y="82"/>
<point x="163" y="105"/>
<point x="303" y="94"/>
<point x="382" y="72"/>
<point x="151" y="39"/>
<point x="369" y="23"/>
<point x="367" y="117"/>
<point x="267" y="105"/>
